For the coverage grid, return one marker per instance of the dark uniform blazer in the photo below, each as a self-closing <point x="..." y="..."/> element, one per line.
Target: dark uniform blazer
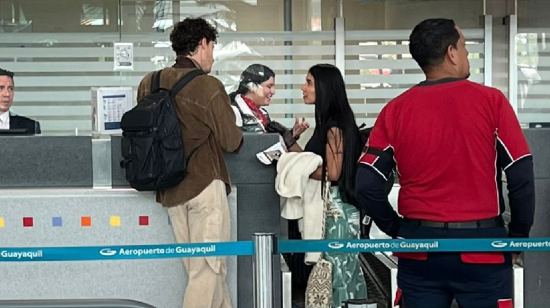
<point x="19" y="122"/>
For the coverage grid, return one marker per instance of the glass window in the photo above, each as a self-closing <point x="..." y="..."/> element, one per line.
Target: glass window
<point x="533" y="62"/>
<point x="405" y="14"/>
<point x="56" y="65"/>
<point x="378" y="64"/>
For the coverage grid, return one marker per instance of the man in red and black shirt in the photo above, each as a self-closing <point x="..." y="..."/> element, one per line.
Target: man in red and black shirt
<point x="449" y="140"/>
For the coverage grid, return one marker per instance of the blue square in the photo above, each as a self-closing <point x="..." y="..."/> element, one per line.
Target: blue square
<point x="57" y="221"/>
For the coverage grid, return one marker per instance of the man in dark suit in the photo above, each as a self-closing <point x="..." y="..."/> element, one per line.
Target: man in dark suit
<point x="8" y="120"/>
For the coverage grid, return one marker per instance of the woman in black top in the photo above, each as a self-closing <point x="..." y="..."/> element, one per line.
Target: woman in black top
<point x="337" y="140"/>
<point x="336" y="136"/>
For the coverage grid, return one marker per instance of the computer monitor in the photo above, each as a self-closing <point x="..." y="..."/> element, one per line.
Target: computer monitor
<point x="15" y="132"/>
<point x="539" y="125"/>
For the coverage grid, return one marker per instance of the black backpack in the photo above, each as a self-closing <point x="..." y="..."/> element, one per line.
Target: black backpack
<point x="152" y="144"/>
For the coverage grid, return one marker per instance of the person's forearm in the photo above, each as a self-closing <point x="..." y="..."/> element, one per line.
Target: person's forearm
<point x="371" y="196"/>
<point x="521" y="194"/>
<point x="317" y="174"/>
<point x="295" y="148"/>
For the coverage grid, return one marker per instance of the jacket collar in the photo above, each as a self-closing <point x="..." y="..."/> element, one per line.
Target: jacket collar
<point x="186" y="62"/>
<point x="243" y="106"/>
<point x="245" y="110"/>
<point x="14" y="120"/>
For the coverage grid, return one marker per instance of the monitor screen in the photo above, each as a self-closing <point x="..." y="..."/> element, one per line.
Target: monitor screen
<point x="15" y="132"/>
<point x="539" y="125"/>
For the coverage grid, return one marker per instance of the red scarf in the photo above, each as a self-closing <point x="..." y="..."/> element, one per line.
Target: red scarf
<point x="255" y="110"/>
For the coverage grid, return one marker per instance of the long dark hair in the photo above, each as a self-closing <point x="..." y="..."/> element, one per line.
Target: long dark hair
<point x="255" y="73"/>
<point x="332" y="108"/>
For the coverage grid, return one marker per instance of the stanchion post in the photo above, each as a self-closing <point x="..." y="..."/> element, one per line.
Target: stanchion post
<point x="263" y="269"/>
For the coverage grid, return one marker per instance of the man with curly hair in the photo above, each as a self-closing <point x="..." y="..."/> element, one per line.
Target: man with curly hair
<point x="198" y="206"/>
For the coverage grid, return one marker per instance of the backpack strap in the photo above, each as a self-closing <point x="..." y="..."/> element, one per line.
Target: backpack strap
<point x="175" y="90"/>
<point x="184" y="81"/>
<point x="155" y="83"/>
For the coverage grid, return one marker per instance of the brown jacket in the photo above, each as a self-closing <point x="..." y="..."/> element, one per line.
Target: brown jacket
<point x="208" y="125"/>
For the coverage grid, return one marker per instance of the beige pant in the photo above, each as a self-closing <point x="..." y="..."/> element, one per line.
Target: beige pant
<point x="204" y="219"/>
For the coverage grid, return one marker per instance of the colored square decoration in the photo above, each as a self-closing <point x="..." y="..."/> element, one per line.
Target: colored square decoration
<point x="1" y="222"/>
<point x="28" y="222"/>
<point x="57" y="221"/>
<point x="115" y="221"/>
<point x="505" y="303"/>
<point x="143" y="220"/>
<point x="86" y="221"/>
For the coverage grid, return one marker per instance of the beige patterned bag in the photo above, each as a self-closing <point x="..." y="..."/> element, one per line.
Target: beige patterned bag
<point x="319" y="284"/>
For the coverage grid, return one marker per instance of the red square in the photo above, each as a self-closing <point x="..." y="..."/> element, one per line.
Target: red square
<point x="143" y="220"/>
<point x="505" y="303"/>
<point x="28" y="222"/>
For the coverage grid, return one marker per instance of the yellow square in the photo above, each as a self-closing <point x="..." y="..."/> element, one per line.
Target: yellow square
<point x="115" y="221"/>
<point x="1" y="222"/>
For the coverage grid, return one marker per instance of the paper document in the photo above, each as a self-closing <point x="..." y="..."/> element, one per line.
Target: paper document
<point x="272" y="153"/>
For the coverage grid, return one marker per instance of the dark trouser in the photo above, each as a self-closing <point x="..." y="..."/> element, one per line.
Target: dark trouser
<point x="435" y="282"/>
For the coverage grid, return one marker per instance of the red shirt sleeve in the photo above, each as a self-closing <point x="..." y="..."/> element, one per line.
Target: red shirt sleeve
<point x="511" y="143"/>
<point x="378" y="152"/>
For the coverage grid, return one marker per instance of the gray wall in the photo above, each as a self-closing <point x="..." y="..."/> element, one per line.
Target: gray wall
<point x="537" y="269"/>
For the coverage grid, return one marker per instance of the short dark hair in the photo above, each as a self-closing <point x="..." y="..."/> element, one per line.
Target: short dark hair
<point x="430" y="39"/>
<point x="4" y="72"/>
<point x="188" y="33"/>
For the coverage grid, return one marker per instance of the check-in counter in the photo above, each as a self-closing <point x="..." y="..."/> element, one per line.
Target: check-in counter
<point x="70" y="191"/>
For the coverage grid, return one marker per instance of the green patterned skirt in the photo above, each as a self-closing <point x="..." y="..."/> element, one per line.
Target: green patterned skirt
<point x="342" y="223"/>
